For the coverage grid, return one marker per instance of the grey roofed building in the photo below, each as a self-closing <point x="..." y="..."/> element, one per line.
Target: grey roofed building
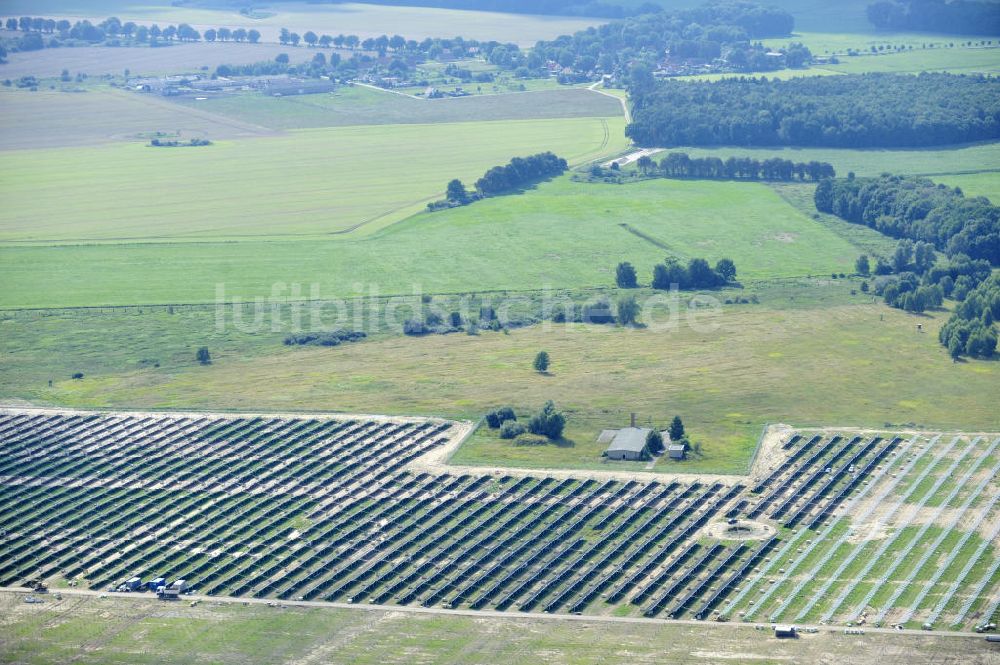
<point x="629" y="443"/>
<point x="676" y="450"/>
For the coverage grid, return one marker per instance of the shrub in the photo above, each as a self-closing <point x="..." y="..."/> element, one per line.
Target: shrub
<point x="499" y="416"/>
<point x="78" y="375"/>
<point x="541" y="363"/>
<point x="203" y="356"/>
<point x="625" y="276"/>
<point x="511" y="429"/>
<point x="548" y="422"/>
<point x="654" y="441"/>
<point x="528" y="440"/>
<point x="414" y="327"/>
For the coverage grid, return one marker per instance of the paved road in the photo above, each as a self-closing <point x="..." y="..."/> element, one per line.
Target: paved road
<point x="471" y="613"/>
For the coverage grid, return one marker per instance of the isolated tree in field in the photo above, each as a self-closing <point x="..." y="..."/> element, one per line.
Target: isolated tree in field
<point x="310" y="38"/>
<point x="319" y="60"/>
<point x="645" y="164"/>
<point x="676" y="429"/>
<point x="282" y="58"/>
<point x="456" y="192"/>
<point x="284" y="36"/>
<point x="628" y="311"/>
<point x="654" y="442"/>
<point x="210" y="35"/>
<point x="203" y="356"/>
<point x="726" y="269"/>
<point x="862" y="266"/>
<point x="541" y="363"/>
<point x="625" y="276"/>
<point x="325" y="40"/>
<point x="294" y="38"/>
<point x="224" y="34"/>
<point x="253" y="36"/>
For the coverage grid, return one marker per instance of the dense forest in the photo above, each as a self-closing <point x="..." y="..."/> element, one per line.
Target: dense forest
<point x="852" y="111"/>
<point x="960" y="17"/>
<point x="918" y="209"/>
<point x="713" y="30"/>
<point x="970" y="330"/>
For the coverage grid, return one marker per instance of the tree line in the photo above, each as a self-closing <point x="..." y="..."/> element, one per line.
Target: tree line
<point x="681" y="165"/>
<point x="112" y="30"/>
<point x="519" y="172"/>
<point x="916" y="208"/>
<point x="850" y="111"/>
<point x="960" y="17"/>
<point x="697" y="274"/>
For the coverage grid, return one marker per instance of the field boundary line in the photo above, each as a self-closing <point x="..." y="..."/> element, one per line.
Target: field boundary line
<point x="482" y="614"/>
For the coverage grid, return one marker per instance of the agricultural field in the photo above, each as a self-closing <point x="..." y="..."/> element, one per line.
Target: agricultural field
<point x="359" y="19"/>
<point x="91" y="116"/>
<point x="358" y="105"/>
<point x="95" y="61"/>
<point x="89" y="194"/>
<point x="141" y="630"/>
<point x="285" y="508"/>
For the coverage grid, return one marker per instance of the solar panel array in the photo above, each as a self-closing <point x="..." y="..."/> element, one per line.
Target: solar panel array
<point x="326" y="509"/>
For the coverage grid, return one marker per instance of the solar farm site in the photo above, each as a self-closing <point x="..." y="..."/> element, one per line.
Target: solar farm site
<point x="838" y="527"/>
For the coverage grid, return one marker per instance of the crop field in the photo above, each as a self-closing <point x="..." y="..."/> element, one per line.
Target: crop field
<point x="301" y="508"/>
<point x="240" y="189"/>
<point x="347" y="18"/>
<point x="174" y="59"/>
<point x="57" y="119"/>
<point x="358" y="105"/>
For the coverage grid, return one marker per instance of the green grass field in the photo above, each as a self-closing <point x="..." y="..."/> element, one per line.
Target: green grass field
<point x="128" y="630"/>
<point x="810" y="353"/>
<point x="955" y="60"/>
<point x="563" y="235"/>
<point x="309" y="182"/>
<point x="960" y="159"/>
<point x="363" y="106"/>
<point x="976" y="184"/>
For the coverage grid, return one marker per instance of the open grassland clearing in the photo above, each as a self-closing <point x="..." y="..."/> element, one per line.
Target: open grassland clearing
<point x="283" y="507"/>
<point x="359" y="105"/>
<point x="959" y="159"/>
<point x="33" y="121"/>
<point x="563" y="234"/>
<point x="188" y="58"/>
<point x="978" y="60"/>
<point x="809" y="353"/>
<point x="976" y="184"/>
<point x="131" y="192"/>
<point x="348" y="18"/>
<point x="146" y="631"/>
